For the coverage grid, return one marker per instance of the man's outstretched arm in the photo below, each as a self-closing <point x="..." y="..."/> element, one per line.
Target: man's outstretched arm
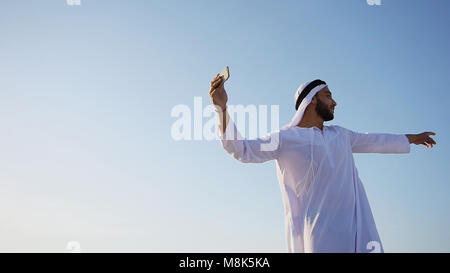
<point x="387" y="143"/>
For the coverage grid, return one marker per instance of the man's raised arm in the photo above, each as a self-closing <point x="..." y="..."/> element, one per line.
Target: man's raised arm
<point x="219" y="99"/>
<point x="248" y="151"/>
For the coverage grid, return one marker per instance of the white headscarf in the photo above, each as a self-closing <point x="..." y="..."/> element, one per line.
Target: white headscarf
<point x="305" y="102"/>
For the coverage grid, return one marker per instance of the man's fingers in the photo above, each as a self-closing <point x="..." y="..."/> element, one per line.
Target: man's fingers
<point x="214" y="85"/>
<point x="213" y="89"/>
<point x="429" y="143"/>
<point x="429" y="139"/>
<point x="215" y="78"/>
<point x="217" y="83"/>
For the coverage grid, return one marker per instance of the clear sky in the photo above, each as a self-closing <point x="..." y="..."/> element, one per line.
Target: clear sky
<point x="86" y="93"/>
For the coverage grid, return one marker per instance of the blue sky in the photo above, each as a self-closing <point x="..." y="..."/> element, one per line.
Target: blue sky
<point x="86" y="92"/>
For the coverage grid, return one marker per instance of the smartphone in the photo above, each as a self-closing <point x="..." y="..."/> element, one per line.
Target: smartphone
<point x="225" y="74"/>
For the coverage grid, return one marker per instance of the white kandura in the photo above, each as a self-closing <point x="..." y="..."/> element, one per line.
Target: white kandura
<point x="326" y="207"/>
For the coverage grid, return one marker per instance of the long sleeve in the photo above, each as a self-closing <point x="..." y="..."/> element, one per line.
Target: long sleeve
<point x="379" y="143"/>
<point x="249" y="151"/>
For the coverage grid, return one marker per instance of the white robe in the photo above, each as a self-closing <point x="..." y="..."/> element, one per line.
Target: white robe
<point x="326" y="208"/>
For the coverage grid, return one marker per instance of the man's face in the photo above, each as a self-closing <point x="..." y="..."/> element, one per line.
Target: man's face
<point x="325" y="104"/>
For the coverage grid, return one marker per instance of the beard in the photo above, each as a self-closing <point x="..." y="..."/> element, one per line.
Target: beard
<point x="324" y="111"/>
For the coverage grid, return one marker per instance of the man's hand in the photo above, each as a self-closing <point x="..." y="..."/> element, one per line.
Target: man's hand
<point x="217" y="93"/>
<point x="422" y="139"/>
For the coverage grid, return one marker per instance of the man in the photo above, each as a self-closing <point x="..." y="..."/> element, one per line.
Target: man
<point x="326" y="208"/>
